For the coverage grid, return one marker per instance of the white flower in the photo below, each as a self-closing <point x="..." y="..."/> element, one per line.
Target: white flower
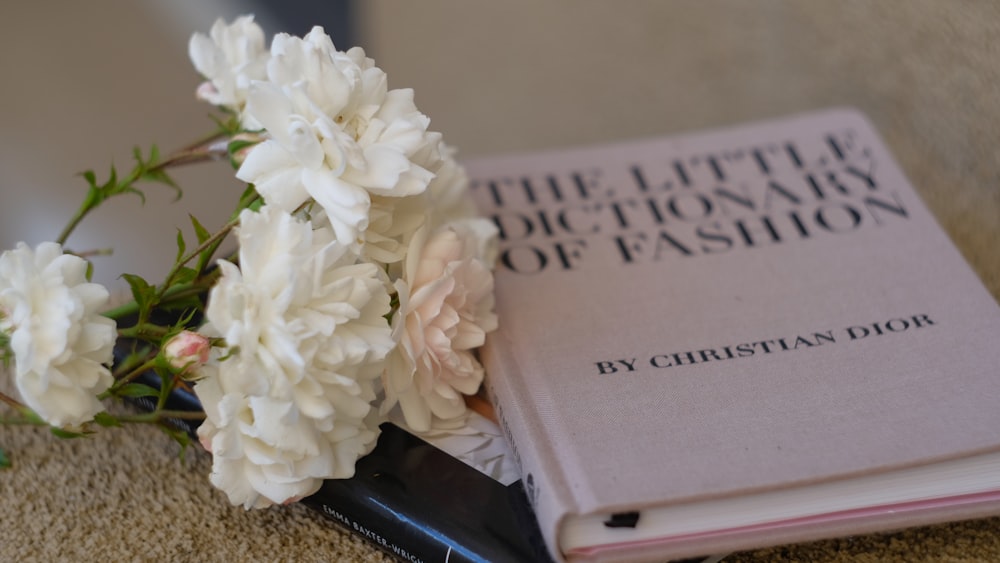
<point x="230" y="59"/>
<point x="450" y="199"/>
<point x="394" y="220"/>
<point x="60" y="342"/>
<point x="304" y="322"/>
<point x="337" y="136"/>
<point x="264" y="450"/>
<point x="393" y="223"/>
<point x="446" y="309"/>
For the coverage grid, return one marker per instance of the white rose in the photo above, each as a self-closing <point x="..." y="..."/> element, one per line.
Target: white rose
<point x="446" y="309"/>
<point x="337" y="135"/>
<point x="230" y="58"/>
<point x="304" y="324"/>
<point x="59" y="340"/>
<point x="393" y="221"/>
<point x="264" y="451"/>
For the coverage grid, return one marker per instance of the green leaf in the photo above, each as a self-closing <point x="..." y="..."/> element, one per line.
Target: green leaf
<point x="106" y="420"/>
<point x="228" y="123"/>
<point x="185" y="275"/>
<point x="184" y="322"/>
<point x="165" y="371"/>
<point x="181" y="246"/>
<point x="203" y="235"/>
<point x="235" y="146"/>
<point x="143" y="293"/>
<point x="5" y="353"/>
<point x="100" y="192"/>
<point x="187" y="304"/>
<point x="199" y="230"/>
<point x="4" y="460"/>
<point x="67" y="434"/>
<point x="145" y="169"/>
<point x="248" y="198"/>
<point x="136" y="356"/>
<point x="181" y="437"/>
<point x="136" y="390"/>
<point x="163" y="178"/>
<point x="112" y="183"/>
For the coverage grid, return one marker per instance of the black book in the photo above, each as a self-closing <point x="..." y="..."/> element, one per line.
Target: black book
<point x="414" y="501"/>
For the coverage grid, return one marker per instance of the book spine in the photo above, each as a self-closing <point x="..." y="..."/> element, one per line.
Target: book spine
<point x="409" y="514"/>
<point x="521" y="424"/>
<point x="401" y="526"/>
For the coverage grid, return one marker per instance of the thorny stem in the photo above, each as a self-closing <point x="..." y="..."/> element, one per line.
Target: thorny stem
<point x="80" y="214"/>
<point x="5" y="421"/>
<point x="11" y="401"/>
<point x="155" y="417"/>
<point x="158" y="416"/>
<point x="177" y="292"/>
<point x="199" y="152"/>
<point x="144" y="330"/>
<point x="221" y="234"/>
<point x="132" y="374"/>
<point x="92" y="252"/>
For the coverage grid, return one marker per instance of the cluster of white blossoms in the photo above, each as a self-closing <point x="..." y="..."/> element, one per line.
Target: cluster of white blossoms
<point x="362" y="288"/>
<point x="365" y="277"/>
<point x="50" y="317"/>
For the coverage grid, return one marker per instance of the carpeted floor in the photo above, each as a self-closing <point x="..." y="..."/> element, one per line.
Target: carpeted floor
<point x="125" y="496"/>
<point x="927" y="73"/>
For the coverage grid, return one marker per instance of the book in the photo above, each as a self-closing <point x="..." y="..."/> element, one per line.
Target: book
<point x="450" y="495"/>
<point x="736" y="338"/>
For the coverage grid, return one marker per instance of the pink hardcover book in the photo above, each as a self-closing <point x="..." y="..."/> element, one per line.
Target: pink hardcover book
<point x="736" y="338"/>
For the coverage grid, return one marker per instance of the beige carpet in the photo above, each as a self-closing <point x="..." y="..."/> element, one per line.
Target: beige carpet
<point x="520" y="75"/>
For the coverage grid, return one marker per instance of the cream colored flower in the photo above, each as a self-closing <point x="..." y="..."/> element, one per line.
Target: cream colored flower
<point x="304" y="324"/>
<point x="265" y="450"/>
<point x="448" y="196"/>
<point x="230" y="58"/>
<point x="337" y="135"/>
<point x="262" y="451"/>
<point x="60" y="342"/>
<point x="446" y="309"/>
<point x="393" y="221"/>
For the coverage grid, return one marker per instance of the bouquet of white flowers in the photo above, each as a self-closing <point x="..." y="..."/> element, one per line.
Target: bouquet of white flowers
<point x="362" y="282"/>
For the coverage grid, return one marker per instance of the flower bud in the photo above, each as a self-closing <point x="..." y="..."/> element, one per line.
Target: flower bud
<point x="187" y="351"/>
<point x="246" y="142"/>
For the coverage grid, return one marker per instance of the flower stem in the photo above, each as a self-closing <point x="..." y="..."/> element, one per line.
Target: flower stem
<point x="198" y="153"/>
<point x="158" y="416"/>
<point x="145" y="330"/>
<point x="133" y="373"/>
<point x="202" y="151"/>
<point x="174" y="293"/>
<point x="74" y="221"/>
<point x="208" y="243"/>
<point x="11" y="401"/>
<point x="5" y="421"/>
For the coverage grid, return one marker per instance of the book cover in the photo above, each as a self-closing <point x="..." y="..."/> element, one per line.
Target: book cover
<point x="736" y="338"/>
<point x="451" y="495"/>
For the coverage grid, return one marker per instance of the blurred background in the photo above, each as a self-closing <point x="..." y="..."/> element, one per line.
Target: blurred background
<point x="83" y="82"/>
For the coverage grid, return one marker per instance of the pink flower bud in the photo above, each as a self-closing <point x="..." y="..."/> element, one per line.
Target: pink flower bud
<point x="187" y="351"/>
<point x="206" y="91"/>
